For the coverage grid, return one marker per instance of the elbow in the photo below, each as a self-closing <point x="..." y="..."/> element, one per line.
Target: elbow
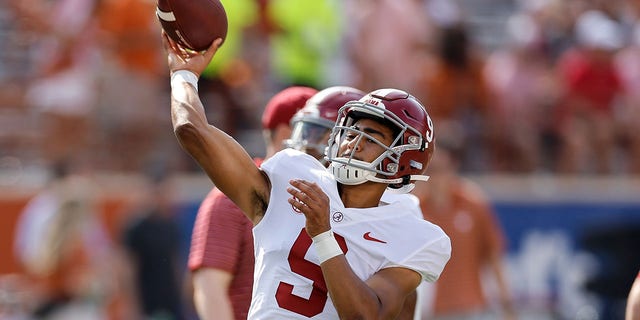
<point x="190" y="126"/>
<point x="185" y="131"/>
<point x="188" y="134"/>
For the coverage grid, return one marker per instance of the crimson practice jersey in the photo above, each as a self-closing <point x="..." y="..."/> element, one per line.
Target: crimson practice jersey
<point x="288" y="281"/>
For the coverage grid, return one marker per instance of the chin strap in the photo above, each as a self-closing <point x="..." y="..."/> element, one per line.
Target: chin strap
<point x="418" y="177"/>
<point x="398" y="180"/>
<point x="406" y="188"/>
<point x="351" y="175"/>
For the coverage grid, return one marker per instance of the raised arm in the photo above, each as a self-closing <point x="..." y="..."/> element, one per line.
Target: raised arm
<point x="224" y="160"/>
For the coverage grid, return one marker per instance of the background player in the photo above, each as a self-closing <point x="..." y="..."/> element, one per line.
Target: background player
<point x="312" y="124"/>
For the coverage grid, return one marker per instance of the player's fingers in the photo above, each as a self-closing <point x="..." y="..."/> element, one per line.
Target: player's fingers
<point x="168" y="44"/>
<point x="298" y="194"/>
<point x="165" y="41"/>
<point x="310" y="188"/>
<point x="165" y="38"/>
<point x="176" y="48"/>
<point x="172" y="49"/>
<point x="305" y="186"/>
<point x="298" y="205"/>
<point x="309" y="200"/>
<point x="213" y="48"/>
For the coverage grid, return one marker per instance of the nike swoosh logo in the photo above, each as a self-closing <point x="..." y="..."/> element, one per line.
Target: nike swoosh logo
<point x="367" y="236"/>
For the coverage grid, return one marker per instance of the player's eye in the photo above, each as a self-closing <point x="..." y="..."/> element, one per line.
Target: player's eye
<point x="350" y="135"/>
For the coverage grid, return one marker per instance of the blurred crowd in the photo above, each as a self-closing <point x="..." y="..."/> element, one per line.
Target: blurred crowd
<point x="535" y="86"/>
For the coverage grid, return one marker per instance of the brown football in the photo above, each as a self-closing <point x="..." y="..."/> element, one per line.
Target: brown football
<point x="193" y="24"/>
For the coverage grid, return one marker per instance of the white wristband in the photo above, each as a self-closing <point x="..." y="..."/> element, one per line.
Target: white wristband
<point x="326" y="246"/>
<point x="181" y="76"/>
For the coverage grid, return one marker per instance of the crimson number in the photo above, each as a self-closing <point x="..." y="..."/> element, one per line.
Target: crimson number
<point x="315" y="304"/>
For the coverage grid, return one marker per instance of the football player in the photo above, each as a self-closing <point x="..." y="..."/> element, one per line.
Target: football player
<point x="311" y="127"/>
<point x="312" y="124"/>
<point x="325" y="244"/>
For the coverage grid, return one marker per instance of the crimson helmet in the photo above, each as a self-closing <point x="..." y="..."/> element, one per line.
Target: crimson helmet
<point x="312" y="124"/>
<point x="403" y="161"/>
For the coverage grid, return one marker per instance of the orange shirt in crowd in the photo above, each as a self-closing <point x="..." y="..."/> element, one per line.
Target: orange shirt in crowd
<point x="133" y="33"/>
<point x="475" y="237"/>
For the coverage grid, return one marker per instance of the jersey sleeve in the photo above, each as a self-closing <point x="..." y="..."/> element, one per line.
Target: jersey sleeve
<point x="217" y="234"/>
<point x="282" y="159"/>
<point x="432" y="257"/>
<point x="289" y="164"/>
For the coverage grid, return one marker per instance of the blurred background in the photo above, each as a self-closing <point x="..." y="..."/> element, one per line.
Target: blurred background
<point x="539" y="98"/>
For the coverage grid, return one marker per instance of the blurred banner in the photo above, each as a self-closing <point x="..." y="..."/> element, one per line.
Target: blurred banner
<point x="573" y="243"/>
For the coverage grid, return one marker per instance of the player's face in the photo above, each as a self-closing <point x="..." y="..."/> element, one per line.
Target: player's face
<point x="310" y="138"/>
<point x="366" y="149"/>
<point x="316" y="137"/>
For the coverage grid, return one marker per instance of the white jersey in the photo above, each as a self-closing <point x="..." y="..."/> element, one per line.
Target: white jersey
<point x="390" y="197"/>
<point x="288" y="281"/>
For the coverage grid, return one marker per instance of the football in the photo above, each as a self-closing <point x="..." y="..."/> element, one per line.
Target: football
<point x="193" y="24"/>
